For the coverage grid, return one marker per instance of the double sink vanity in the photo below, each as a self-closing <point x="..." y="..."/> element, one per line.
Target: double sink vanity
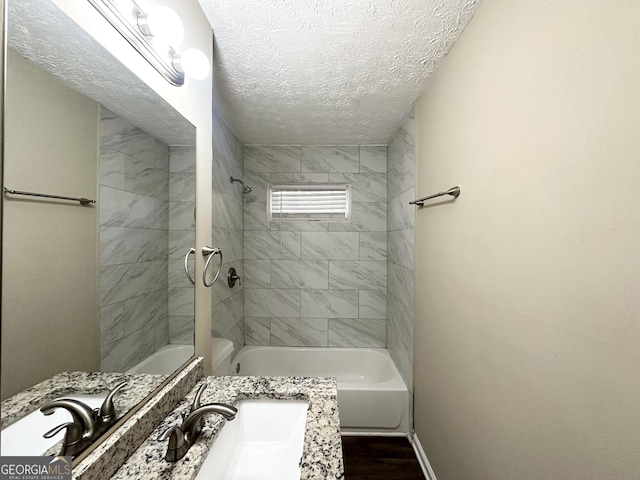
<point x="193" y="427"/>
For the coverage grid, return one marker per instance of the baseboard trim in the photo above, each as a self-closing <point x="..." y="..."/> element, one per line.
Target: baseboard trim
<point x="361" y="433"/>
<point x="422" y="458"/>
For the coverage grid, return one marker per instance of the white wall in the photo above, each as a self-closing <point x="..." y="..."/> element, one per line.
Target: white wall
<point x="527" y="331"/>
<point x="193" y="100"/>
<point x="49" y="291"/>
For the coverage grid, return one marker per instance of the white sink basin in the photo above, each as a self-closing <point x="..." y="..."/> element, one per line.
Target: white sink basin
<point x="24" y="437"/>
<point x="264" y="442"/>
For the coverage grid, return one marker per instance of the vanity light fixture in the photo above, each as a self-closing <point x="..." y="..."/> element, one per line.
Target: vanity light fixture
<point x="161" y="24"/>
<point x="193" y="63"/>
<point x="154" y="34"/>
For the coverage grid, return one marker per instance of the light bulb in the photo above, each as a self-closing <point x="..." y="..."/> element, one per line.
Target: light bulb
<point x="192" y="62"/>
<point x="163" y="24"/>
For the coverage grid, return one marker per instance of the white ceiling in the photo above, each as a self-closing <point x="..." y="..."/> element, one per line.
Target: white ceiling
<point x="327" y="71"/>
<point x="41" y="32"/>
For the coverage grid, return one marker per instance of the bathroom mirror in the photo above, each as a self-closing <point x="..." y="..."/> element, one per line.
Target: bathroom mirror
<point x="97" y="287"/>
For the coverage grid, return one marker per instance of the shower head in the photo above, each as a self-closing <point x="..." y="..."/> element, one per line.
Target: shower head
<point x="245" y="188"/>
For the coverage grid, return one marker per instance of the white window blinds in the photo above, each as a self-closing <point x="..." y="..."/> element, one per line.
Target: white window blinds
<point x="328" y="202"/>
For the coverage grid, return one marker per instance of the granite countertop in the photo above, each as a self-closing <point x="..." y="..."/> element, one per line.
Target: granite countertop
<point x="322" y="453"/>
<point x="80" y="383"/>
<point x="116" y="448"/>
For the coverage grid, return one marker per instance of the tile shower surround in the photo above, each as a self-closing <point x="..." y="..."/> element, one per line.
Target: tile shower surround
<point x="182" y="234"/>
<point x="316" y="283"/>
<point x="313" y="283"/>
<point x="400" y="226"/>
<point x="169" y="232"/>
<point x="227" y="219"/>
<point x="146" y="222"/>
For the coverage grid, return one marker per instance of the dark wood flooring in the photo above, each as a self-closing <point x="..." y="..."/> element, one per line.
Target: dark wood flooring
<point x="372" y="458"/>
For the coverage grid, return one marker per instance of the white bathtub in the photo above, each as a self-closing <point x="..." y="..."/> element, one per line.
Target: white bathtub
<point x="372" y="396"/>
<point x="165" y="361"/>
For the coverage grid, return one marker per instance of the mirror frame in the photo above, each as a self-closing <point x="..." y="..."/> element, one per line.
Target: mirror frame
<point x="3" y="63"/>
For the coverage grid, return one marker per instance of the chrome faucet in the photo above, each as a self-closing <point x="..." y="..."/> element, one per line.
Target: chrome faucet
<point x="79" y="431"/>
<point x="86" y="425"/>
<point x="182" y="437"/>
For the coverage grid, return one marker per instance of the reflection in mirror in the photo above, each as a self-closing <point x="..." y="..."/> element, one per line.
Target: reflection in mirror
<point x="89" y="289"/>
<point x="147" y="196"/>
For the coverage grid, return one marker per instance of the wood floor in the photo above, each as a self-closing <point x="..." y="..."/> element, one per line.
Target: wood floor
<point x="372" y="458"/>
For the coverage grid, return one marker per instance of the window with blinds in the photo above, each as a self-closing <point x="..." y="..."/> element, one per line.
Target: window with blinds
<point x="309" y="201"/>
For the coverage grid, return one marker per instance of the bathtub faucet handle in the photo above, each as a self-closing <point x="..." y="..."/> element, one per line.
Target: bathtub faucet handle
<point x="233" y="277"/>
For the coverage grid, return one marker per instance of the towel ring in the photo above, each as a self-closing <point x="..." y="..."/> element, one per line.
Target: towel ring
<point x="210" y="252"/>
<point x="186" y="265"/>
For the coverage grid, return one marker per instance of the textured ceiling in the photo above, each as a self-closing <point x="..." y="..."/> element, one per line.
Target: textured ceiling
<point x="327" y="71"/>
<point x="42" y="33"/>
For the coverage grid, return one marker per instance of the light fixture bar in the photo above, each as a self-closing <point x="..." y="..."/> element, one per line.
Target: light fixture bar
<point x="109" y="10"/>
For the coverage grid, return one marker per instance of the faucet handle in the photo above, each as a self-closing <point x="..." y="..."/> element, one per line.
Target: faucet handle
<point x="196" y="401"/>
<point x="73" y="441"/>
<point x="177" y="445"/>
<point x="196" y="405"/>
<point x="108" y="410"/>
<point x="175" y="436"/>
<point x="72" y="428"/>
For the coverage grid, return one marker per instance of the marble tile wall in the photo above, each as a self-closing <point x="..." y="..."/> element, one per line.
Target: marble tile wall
<point x="134" y="243"/>
<point x="227" y="313"/>
<point x="182" y="204"/>
<point x="400" y="240"/>
<point x="316" y="283"/>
